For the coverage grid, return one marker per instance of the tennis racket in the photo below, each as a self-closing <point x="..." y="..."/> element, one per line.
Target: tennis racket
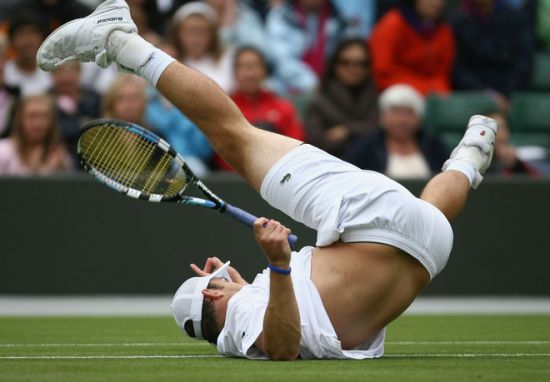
<point x="138" y="163"/>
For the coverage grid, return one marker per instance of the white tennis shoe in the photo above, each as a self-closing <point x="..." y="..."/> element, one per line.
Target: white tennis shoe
<point x="477" y="146"/>
<point x="84" y="39"/>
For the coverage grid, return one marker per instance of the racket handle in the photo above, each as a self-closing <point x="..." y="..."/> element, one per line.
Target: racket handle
<point x="248" y="220"/>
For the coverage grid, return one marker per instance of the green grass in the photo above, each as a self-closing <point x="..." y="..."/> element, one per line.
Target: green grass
<point x="418" y="348"/>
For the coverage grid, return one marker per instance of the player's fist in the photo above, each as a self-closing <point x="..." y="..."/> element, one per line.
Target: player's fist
<point x="272" y="237"/>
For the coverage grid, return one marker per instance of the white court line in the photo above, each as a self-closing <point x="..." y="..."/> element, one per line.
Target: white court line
<point x="467" y="355"/>
<point x="162" y="356"/>
<point x="160" y="305"/>
<point x="130" y="344"/>
<point x="67" y="357"/>
<point x="145" y="344"/>
<point x="496" y="342"/>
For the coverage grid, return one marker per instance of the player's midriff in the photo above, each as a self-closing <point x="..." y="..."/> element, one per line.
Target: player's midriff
<point x="364" y="286"/>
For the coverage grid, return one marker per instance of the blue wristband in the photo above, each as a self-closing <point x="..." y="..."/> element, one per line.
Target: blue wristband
<point x="280" y="271"/>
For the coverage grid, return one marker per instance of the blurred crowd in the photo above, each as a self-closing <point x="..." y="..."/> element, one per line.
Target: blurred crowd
<point x="349" y="76"/>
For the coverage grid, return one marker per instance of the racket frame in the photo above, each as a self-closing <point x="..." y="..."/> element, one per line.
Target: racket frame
<point x="213" y="201"/>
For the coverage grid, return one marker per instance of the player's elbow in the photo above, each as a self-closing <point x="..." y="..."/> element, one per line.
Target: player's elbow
<point x="284" y="355"/>
<point x="284" y="352"/>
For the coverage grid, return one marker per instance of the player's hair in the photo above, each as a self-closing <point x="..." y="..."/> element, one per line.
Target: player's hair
<point x="209" y="326"/>
<point x="52" y="139"/>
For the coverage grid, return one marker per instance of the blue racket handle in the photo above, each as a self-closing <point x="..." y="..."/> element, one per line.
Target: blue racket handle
<point x="248" y="220"/>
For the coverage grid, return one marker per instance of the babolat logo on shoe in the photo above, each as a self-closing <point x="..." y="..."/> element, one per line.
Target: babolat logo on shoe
<point x="108" y="20"/>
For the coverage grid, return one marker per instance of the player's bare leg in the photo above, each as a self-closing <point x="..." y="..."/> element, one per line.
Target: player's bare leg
<point x="109" y="35"/>
<point x="250" y="150"/>
<point x="449" y="190"/>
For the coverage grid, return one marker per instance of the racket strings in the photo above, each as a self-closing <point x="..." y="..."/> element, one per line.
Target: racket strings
<point x="115" y="158"/>
<point x="132" y="161"/>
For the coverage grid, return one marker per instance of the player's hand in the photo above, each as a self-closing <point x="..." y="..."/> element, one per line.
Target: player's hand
<point x="272" y="237"/>
<point x="213" y="263"/>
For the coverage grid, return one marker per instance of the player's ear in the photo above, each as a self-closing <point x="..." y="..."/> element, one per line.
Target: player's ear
<point x="212" y="294"/>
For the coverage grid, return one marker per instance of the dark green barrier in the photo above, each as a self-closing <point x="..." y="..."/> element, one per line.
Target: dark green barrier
<point x="73" y="236"/>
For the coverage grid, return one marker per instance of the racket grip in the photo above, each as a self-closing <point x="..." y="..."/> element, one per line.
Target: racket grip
<point x="248" y="220"/>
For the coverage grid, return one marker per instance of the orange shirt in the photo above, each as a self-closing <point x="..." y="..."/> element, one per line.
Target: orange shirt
<point x="402" y="55"/>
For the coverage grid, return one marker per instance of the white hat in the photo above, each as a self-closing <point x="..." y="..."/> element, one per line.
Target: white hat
<point x="402" y="96"/>
<point x="187" y="303"/>
<point x="196" y="8"/>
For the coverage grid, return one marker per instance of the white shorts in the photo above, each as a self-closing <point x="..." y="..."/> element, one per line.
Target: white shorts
<point x="345" y="203"/>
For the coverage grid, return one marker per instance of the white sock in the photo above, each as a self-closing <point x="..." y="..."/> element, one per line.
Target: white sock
<point x="135" y="55"/>
<point x="463" y="166"/>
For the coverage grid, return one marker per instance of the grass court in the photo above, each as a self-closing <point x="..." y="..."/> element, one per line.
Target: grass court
<point x="418" y="348"/>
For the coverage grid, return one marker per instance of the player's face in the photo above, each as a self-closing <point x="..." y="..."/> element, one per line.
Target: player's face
<point x="352" y="66"/>
<point x="400" y="122"/>
<point x="227" y="289"/>
<point x="195" y="36"/>
<point x="36" y="121"/>
<point x="250" y="72"/>
<point x="226" y="286"/>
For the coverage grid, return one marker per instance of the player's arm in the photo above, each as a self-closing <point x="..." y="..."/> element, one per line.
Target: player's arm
<point x="280" y="338"/>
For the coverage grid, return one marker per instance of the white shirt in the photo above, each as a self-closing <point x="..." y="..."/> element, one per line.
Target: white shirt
<point x="407" y="166"/>
<point x="246" y="310"/>
<point x="37" y="82"/>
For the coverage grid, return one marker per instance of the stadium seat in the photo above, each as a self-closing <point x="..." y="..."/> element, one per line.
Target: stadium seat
<point x="530" y="112"/>
<point x="540" y="79"/>
<point x="301" y="102"/>
<point x="450" y="114"/>
<point x="530" y="139"/>
<point x="451" y="139"/>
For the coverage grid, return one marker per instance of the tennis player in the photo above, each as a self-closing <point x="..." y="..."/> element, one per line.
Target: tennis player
<point x="377" y="246"/>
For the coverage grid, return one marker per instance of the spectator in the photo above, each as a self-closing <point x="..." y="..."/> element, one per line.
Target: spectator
<point x="359" y="15"/>
<point x="75" y="105"/>
<point x="34" y="146"/>
<point x="141" y="19"/>
<point x="346" y="105"/>
<point x="126" y="100"/>
<point x="180" y="131"/>
<point x="494" y="49"/>
<point x="8" y="95"/>
<point x="159" y="13"/>
<point x="52" y="13"/>
<point x="302" y="34"/>
<point x="413" y="45"/>
<point x="506" y="160"/>
<point x="260" y="106"/>
<point x="26" y="34"/>
<point x="239" y="24"/>
<point x="401" y="148"/>
<point x="262" y="7"/>
<point x="195" y="37"/>
<point x="383" y="6"/>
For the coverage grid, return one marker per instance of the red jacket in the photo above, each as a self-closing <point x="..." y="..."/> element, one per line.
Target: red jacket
<point x="270" y="112"/>
<point x="400" y="54"/>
